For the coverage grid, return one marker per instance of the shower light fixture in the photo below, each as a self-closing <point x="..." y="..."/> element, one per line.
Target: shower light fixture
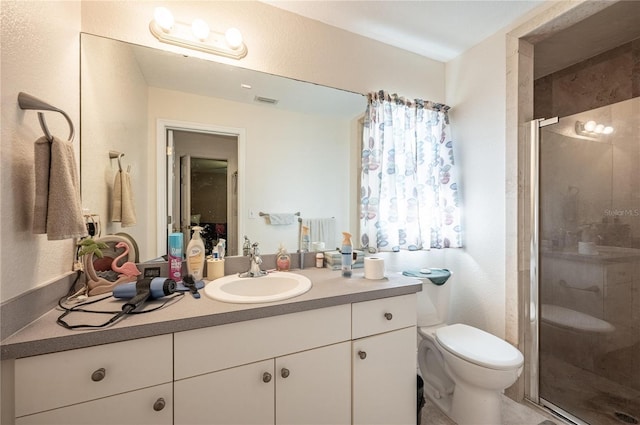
<point x="197" y="36"/>
<point x="592" y="129"/>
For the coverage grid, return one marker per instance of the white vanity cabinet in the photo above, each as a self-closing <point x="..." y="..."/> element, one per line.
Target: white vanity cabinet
<point x="125" y="383"/>
<point x="384" y="361"/>
<point x="350" y="363"/>
<point x="289" y="369"/>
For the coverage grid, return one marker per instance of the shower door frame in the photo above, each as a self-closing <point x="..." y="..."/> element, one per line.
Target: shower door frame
<point x="532" y="315"/>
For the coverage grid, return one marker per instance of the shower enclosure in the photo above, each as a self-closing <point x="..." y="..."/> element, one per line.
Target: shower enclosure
<point x="585" y="279"/>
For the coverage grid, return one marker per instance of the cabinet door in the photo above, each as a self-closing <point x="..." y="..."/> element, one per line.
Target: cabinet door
<point x="152" y="406"/>
<point x="240" y="395"/>
<point x="384" y="378"/>
<point x="314" y="386"/>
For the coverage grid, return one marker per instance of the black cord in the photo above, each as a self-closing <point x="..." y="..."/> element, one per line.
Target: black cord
<point x="118" y="314"/>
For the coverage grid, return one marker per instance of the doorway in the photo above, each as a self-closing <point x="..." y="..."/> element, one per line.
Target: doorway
<point x="201" y="183"/>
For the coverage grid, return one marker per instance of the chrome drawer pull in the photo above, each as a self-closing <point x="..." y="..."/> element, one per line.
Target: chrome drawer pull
<point x="362" y="354"/>
<point x="388" y="316"/>
<point x="266" y="377"/>
<point x="284" y="372"/>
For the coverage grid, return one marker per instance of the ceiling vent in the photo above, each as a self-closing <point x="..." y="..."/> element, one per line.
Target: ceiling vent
<point x="265" y="100"/>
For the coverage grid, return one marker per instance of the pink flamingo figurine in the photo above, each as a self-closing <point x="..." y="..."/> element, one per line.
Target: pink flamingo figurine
<point x="128" y="269"/>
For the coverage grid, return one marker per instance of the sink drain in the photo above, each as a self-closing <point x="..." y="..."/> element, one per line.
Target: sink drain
<point x="627" y="419"/>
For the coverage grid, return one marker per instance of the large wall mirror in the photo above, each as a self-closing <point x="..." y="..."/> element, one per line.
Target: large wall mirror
<point x="212" y="144"/>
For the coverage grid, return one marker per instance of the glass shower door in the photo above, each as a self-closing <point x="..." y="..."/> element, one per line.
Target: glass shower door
<point x="589" y="265"/>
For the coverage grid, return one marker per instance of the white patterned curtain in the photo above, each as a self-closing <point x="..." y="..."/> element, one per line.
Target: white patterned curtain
<point x="408" y="193"/>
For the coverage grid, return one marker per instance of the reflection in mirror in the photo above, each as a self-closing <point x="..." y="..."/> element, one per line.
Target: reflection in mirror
<point x="296" y="145"/>
<point x="207" y="193"/>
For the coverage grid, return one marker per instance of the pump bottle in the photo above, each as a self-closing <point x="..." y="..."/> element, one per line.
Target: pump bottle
<point x="195" y="254"/>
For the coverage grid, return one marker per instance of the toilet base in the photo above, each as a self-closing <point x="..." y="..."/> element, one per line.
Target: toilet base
<point x="474" y="406"/>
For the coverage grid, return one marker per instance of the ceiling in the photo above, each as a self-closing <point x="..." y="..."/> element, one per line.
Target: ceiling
<point x="437" y="29"/>
<point x="443" y="29"/>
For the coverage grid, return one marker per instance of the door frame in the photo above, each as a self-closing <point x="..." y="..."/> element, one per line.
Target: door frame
<point x="162" y="151"/>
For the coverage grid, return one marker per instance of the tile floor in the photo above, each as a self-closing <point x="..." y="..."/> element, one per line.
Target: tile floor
<point x="589" y="396"/>
<point x="513" y="413"/>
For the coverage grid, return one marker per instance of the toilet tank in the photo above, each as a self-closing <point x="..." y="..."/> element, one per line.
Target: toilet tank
<point x="434" y="303"/>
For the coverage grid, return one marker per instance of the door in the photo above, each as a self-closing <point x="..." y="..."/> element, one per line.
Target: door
<point x="384" y="378"/>
<point x="314" y="387"/>
<point x="586" y="253"/>
<point x="185" y="197"/>
<point x="241" y="395"/>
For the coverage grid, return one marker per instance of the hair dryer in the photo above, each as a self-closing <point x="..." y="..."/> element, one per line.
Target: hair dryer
<point x="140" y="291"/>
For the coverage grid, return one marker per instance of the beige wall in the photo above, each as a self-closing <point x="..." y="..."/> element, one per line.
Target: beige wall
<point x="40" y="56"/>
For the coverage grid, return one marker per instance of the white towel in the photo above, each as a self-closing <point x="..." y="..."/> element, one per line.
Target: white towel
<point x="322" y="230"/>
<point x="282" y="218"/>
<point x="122" y="208"/>
<point x="57" y="210"/>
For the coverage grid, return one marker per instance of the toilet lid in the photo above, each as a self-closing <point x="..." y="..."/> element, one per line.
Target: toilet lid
<point x="479" y="347"/>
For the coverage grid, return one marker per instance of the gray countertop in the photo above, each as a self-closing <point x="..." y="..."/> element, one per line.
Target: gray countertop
<point x="329" y="288"/>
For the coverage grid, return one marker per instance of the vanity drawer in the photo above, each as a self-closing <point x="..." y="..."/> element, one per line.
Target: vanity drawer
<point x="152" y="406"/>
<point x="60" y="379"/>
<point x="220" y="347"/>
<point x="383" y="315"/>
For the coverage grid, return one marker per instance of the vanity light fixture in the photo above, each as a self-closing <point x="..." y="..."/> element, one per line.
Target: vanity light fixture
<point x="592" y="129"/>
<point x="197" y="36"/>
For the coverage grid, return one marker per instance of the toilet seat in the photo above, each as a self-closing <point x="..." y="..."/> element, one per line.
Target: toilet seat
<point x="479" y="347"/>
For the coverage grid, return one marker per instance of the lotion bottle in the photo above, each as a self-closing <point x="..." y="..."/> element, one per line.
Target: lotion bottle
<point x="347" y="254"/>
<point x="195" y="254"/>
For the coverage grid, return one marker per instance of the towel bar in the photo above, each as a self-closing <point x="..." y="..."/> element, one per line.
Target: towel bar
<point x="26" y="101"/>
<point x="262" y="214"/>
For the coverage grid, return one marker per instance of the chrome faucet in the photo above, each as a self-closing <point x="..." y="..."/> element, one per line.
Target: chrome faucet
<point x="254" y="263"/>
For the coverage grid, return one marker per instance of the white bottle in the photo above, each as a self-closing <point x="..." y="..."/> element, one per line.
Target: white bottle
<point x="195" y="254"/>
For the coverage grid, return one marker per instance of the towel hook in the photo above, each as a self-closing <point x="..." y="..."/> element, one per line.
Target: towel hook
<point x="119" y="155"/>
<point x="26" y="101"/>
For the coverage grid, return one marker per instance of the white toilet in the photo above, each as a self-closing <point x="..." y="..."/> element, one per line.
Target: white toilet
<point x="464" y="369"/>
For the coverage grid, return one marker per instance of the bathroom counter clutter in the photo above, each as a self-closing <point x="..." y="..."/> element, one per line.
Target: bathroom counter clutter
<point x="187" y="313"/>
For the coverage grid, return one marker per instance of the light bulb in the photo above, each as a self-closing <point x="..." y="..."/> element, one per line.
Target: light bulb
<point x="163" y="18"/>
<point x="590" y="125"/>
<point x="599" y="128"/>
<point x="233" y="37"/>
<point x="200" y="29"/>
<point x="607" y="130"/>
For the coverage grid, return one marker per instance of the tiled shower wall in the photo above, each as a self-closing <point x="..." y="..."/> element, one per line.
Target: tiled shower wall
<point x="607" y="78"/>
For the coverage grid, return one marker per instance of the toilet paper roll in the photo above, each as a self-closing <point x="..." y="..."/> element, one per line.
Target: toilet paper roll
<point x="373" y="268"/>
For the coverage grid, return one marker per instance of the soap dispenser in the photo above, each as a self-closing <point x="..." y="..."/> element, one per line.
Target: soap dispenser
<point x="283" y="260"/>
<point x="195" y="255"/>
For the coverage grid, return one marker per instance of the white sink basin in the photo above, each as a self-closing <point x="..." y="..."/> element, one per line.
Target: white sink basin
<point x="275" y="286"/>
